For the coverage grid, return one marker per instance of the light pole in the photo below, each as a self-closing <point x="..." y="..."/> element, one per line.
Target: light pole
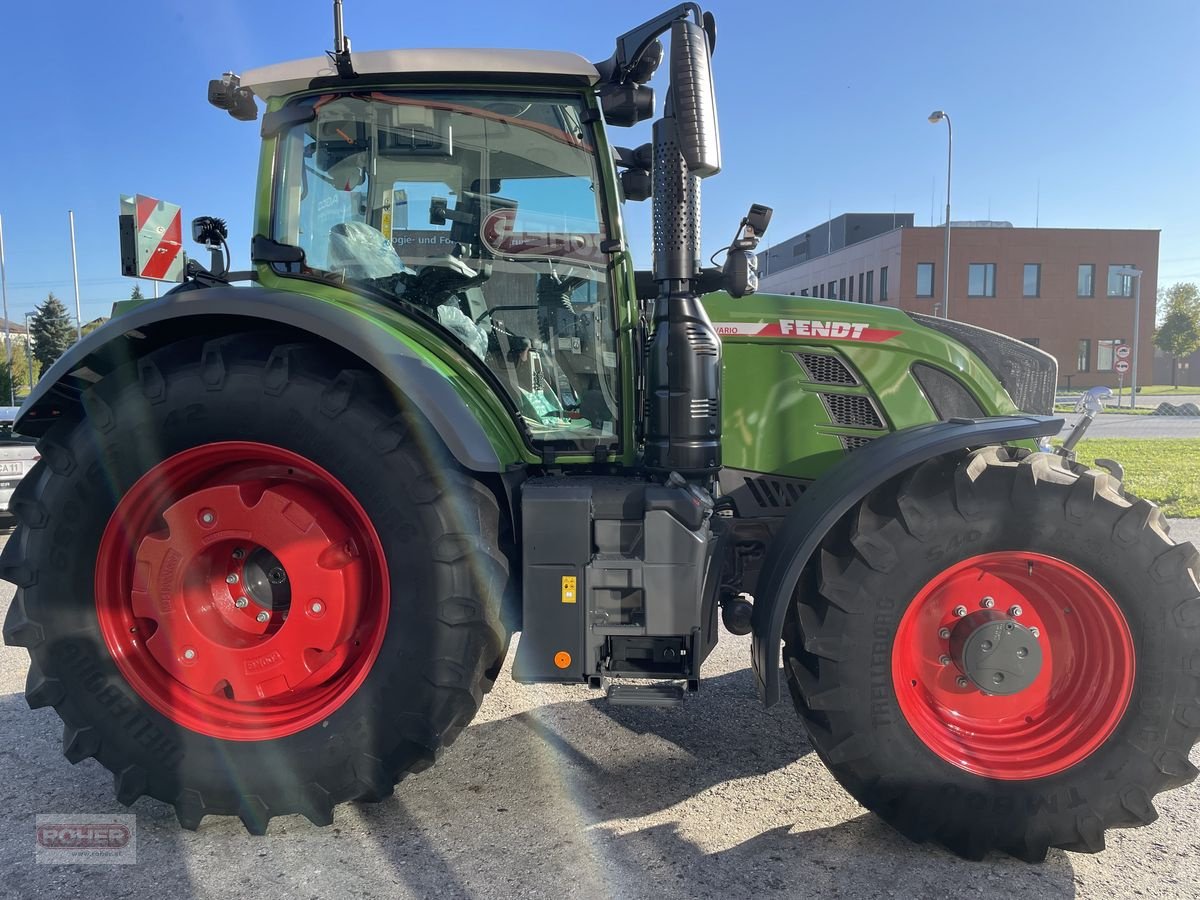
<point x="29" y="350"/>
<point x="12" y="390"/>
<point x="936" y="116"/>
<point x="1133" y="272"/>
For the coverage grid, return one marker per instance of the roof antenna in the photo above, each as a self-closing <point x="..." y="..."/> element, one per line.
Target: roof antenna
<point x="341" y="45"/>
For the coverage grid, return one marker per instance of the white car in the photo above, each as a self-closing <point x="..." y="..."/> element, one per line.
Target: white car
<point x="17" y="456"/>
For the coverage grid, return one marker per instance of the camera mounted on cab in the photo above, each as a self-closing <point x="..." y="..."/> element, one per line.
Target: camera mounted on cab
<point x="740" y="272"/>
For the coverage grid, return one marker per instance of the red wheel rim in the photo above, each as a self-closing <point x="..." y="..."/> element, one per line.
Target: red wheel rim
<point x="1068" y="711"/>
<point x="241" y="590"/>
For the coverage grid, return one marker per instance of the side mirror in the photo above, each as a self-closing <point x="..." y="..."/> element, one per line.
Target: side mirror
<point x="636" y="184"/>
<point x="695" y="104"/>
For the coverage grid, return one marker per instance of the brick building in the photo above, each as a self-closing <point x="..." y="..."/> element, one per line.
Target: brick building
<point x="1053" y="287"/>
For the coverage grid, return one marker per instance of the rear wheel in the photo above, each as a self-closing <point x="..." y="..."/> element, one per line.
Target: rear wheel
<point x="251" y="585"/>
<point x="1001" y="652"/>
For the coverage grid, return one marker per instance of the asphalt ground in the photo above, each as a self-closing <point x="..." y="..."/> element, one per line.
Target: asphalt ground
<point x="554" y="793"/>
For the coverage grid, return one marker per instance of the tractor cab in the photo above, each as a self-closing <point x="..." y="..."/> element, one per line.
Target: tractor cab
<point x="486" y="210"/>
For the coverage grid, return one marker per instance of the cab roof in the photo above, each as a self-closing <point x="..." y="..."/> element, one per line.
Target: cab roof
<point x="288" y="77"/>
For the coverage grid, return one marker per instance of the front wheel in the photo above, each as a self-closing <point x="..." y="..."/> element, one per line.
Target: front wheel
<point x="1001" y="652"/>
<point x="252" y="584"/>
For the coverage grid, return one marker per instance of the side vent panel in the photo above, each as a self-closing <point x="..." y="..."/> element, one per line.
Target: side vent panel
<point x="853" y="441"/>
<point x="852" y="410"/>
<point x="822" y="368"/>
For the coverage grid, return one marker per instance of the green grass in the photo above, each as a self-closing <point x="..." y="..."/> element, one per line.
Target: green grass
<point x="1165" y="471"/>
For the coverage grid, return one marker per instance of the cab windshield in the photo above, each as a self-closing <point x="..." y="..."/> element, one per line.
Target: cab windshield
<point x="484" y="213"/>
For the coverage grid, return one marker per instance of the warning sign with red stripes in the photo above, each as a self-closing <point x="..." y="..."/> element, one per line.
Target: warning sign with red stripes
<point x="158" y="237"/>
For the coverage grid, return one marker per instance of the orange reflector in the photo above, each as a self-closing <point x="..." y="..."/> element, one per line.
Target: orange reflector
<point x="562" y="659"/>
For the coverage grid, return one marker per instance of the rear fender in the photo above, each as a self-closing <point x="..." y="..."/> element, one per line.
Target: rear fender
<point x="835" y="493"/>
<point x="451" y="409"/>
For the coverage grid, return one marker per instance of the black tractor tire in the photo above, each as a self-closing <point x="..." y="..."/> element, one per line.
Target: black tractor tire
<point x="440" y="532"/>
<point x="841" y="650"/>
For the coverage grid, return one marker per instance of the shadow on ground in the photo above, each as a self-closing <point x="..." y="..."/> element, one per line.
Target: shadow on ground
<point x="574" y="799"/>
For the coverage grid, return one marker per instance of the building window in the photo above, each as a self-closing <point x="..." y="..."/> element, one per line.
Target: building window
<point x="1084" y="362"/>
<point x="883" y="284"/>
<point x="1085" y="285"/>
<point x="981" y="280"/>
<point x="862" y="287"/>
<point x="831" y="290"/>
<point x="1032" y="280"/>
<point x="1106" y="354"/>
<point x="869" y="296"/>
<point x="1032" y="342"/>
<point x="924" y="279"/>
<point x="803" y="292"/>
<point x="1119" y="285"/>
<point x="842" y="287"/>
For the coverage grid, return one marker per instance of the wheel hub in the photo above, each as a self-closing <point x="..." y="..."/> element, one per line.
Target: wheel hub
<point x="1056" y="638"/>
<point x="997" y="654"/>
<point x="242" y="590"/>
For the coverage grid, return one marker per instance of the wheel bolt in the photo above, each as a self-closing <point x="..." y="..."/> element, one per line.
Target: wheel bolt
<point x="239" y="553"/>
<point x="262" y="616"/>
<point x="316" y="607"/>
<point x="944" y="660"/>
<point x="944" y="634"/>
<point x="961" y="681"/>
<point x="997" y="678"/>
<point x="985" y="646"/>
<point x="1034" y="631"/>
<point x="1022" y="653"/>
<point x="987" y="602"/>
<point x="241" y="602"/>
<point x="960" y="611"/>
<point x="231" y="578"/>
<point x="189" y="653"/>
<point x="207" y="516"/>
<point x="1015" y="611"/>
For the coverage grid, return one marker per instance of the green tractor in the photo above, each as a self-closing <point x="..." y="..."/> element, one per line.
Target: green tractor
<point x="281" y="534"/>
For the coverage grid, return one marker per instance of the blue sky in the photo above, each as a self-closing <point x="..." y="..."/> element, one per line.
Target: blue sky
<point x="821" y="106"/>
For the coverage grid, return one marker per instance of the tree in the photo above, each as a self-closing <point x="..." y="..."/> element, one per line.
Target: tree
<point x="136" y="293"/>
<point x="51" y="331"/>
<point x="1179" y="332"/>
<point x="12" y="379"/>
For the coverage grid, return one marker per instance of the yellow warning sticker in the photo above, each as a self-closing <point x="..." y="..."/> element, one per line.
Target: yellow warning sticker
<point x="568" y="588"/>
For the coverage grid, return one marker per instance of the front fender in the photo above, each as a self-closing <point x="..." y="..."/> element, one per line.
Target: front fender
<point x="835" y="493"/>
<point x="470" y="426"/>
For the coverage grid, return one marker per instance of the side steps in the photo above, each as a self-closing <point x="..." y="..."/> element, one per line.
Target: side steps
<point x="658" y="693"/>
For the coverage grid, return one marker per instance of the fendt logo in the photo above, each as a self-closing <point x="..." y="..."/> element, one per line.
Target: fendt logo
<point x="816" y="328"/>
<point x="808" y="328"/>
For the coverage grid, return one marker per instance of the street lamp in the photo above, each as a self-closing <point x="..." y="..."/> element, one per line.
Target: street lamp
<point x="1133" y="272"/>
<point x="29" y="350"/>
<point x="934" y="117"/>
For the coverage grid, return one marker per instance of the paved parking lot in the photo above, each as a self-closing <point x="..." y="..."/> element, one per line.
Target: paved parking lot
<point x="553" y="793"/>
<point x="1114" y="425"/>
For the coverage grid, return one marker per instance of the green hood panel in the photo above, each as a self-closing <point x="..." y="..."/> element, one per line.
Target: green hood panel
<point x="778" y="418"/>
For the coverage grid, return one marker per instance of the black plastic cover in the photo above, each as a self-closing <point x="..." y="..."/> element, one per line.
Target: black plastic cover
<point x="947" y="395"/>
<point x="1028" y="374"/>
